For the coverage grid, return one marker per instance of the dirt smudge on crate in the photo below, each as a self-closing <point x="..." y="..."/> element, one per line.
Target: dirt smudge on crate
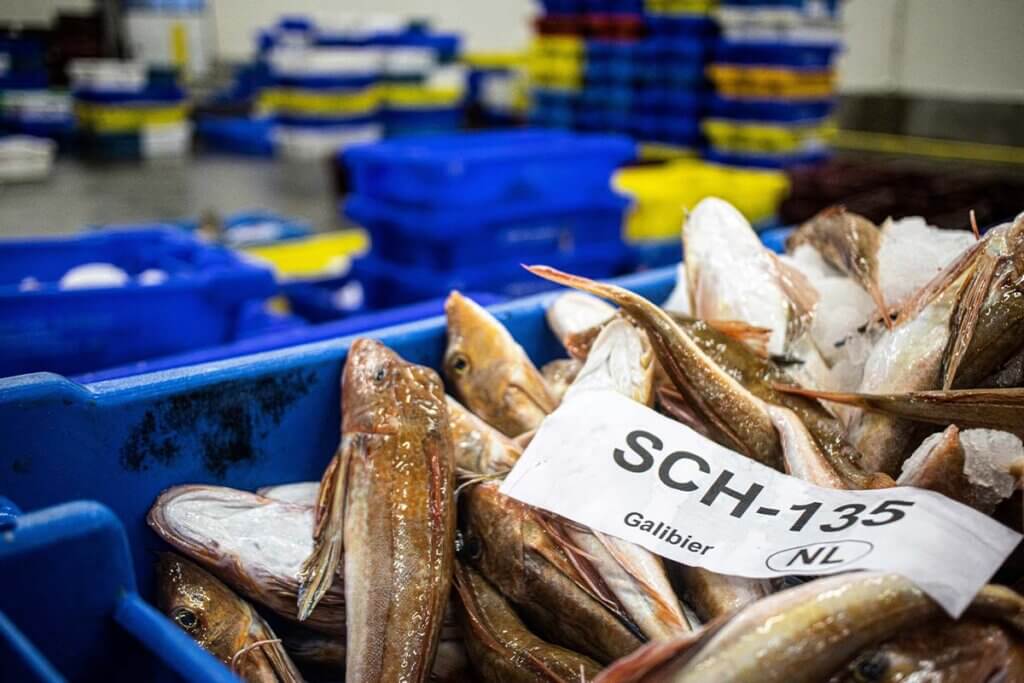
<point x="218" y="421"/>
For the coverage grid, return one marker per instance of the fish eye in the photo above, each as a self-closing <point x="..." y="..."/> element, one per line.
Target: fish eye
<point x="459" y="364"/>
<point x="381" y="375"/>
<point x="871" y="669"/>
<point x="467" y="546"/>
<point x="185" y="617"/>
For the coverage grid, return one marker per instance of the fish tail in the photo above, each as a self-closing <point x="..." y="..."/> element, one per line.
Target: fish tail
<point x="965" y="317"/>
<point x="605" y="291"/>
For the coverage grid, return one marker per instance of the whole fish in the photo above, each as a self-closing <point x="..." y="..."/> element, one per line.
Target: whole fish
<point x="802" y="635"/>
<point x="559" y="374"/>
<point x="733" y="276"/>
<point x="518" y="550"/>
<point x="221" y="622"/>
<point x="490" y="372"/>
<point x="574" y="312"/>
<point x="727" y="405"/>
<point x="254" y="544"/>
<point x="500" y="646"/>
<point x="388" y="499"/>
<point x="968" y="651"/>
<point x="479" y="447"/>
<point x="848" y="242"/>
<point x="977" y="467"/>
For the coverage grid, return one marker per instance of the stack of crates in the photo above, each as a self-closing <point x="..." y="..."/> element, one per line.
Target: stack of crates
<point x="496" y="90"/>
<point x="774" y="79"/>
<point x="465" y="211"/>
<point x="123" y="111"/>
<point x="352" y="84"/>
<point x="27" y="106"/>
<point x="628" y="66"/>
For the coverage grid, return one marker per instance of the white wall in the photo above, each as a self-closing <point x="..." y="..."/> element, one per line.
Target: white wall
<point x="936" y="48"/>
<point x="39" y="11"/>
<point x="486" y="25"/>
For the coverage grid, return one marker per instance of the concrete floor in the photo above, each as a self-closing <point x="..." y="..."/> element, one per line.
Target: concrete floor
<point x="79" y="194"/>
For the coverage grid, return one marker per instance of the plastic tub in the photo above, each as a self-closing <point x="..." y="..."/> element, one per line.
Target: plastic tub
<point x="763" y="138"/>
<point x="236" y="135"/>
<point x="454" y="238"/>
<point x="770" y="52"/>
<point x="75" y="330"/>
<point x="767" y="160"/>
<point x="764" y="110"/>
<point x="247" y="422"/>
<point x="320" y="139"/>
<point x="476" y="168"/>
<point x="388" y="284"/>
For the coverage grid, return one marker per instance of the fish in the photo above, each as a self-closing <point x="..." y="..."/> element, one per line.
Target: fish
<point x="500" y="646"/>
<point x="719" y="397"/>
<point x="222" y="623"/>
<point x="968" y="651"/>
<point x="480" y="449"/>
<point x="573" y="312"/>
<point x="387" y="498"/>
<point x="976" y="467"/>
<point x="733" y="276"/>
<point x="712" y="595"/>
<point x="559" y="374"/>
<point x="254" y="544"/>
<point x="849" y="242"/>
<point x="804" y="634"/>
<point x="490" y="373"/>
<point x="545" y="578"/>
<point x="621" y="360"/>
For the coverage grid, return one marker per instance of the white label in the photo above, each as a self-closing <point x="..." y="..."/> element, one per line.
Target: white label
<point x="616" y="466"/>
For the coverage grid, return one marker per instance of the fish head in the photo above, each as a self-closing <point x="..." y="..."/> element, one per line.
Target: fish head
<point x="490" y="372"/>
<point x="377" y="383"/>
<point x="202" y="606"/>
<point x="490" y="534"/>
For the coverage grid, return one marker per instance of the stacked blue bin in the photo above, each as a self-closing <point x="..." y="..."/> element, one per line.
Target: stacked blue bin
<point x="773" y="69"/>
<point x="465" y="211"/>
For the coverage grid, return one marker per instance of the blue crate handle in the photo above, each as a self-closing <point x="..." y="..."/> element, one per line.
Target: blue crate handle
<point x="8" y="514"/>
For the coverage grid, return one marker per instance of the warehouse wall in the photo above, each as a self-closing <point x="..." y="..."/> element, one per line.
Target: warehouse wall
<point x="39" y="10"/>
<point x="935" y="48"/>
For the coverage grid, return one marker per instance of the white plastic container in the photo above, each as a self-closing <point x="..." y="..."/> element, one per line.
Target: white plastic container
<point x="326" y="61"/>
<point x="107" y="75"/>
<point x="24" y="158"/>
<point x="294" y="142"/>
<point x="408" y="61"/>
<point x="166" y="141"/>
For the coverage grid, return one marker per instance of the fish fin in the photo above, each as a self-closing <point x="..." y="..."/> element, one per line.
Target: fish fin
<point x="800" y="293"/>
<point x="930" y="291"/>
<point x="756" y="338"/>
<point x="323" y="495"/>
<point x="524" y="439"/>
<point x="965" y="317"/>
<point x="650" y="658"/>
<point x="974" y="225"/>
<point x="320" y="568"/>
<point x="668" y="611"/>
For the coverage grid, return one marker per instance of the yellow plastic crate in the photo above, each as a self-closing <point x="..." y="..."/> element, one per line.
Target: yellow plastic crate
<point x="121" y="119"/>
<point x="756" y="138"/>
<point x="495" y="60"/>
<point x="417" y="96"/>
<point x="680" y="6"/>
<point x="661" y="195"/>
<point x="560" y="46"/>
<point x="757" y="81"/>
<point x="301" y="101"/>
<point x="313" y="256"/>
<point x="661" y="151"/>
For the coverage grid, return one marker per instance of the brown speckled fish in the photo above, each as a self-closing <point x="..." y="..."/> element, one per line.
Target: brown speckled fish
<point x="387" y="498"/>
<point x="490" y="372"/>
<point x="221" y="622"/>
<point x="500" y="646"/>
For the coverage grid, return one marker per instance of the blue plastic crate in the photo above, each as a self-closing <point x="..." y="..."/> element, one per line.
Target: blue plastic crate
<point x="292" y="336"/>
<point x="246" y="423"/>
<point x="73" y="331"/>
<point x="388" y="284"/>
<point x="336" y="83"/>
<point x="695" y="26"/>
<point x="786" y="111"/>
<point x="445" y="239"/>
<point x="167" y="93"/>
<point x="775" y="238"/>
<point x="432" y="120"/>
<point x="775" y="53"/>
<point x="476" y="168"/>
<point x="237" y="135"/>
<point x="767" y="160"/>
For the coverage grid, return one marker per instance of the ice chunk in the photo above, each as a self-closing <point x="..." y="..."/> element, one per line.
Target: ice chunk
<point x="575" y="312"/>
<point x="94" y="275"/>
<point x="989" y="456"/>
<point x="152" y="276"/>
<point x="911" y="253"/>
